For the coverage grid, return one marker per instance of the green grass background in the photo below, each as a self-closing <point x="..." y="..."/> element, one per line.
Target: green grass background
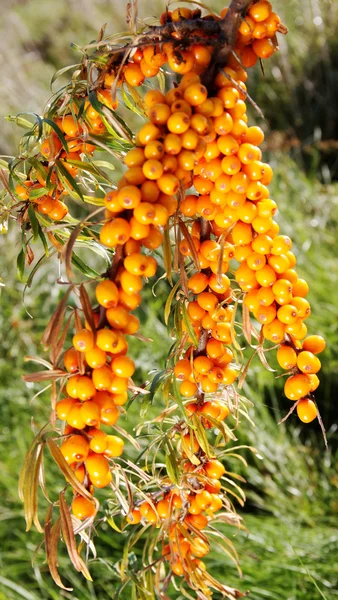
<point x="289" y="548"/>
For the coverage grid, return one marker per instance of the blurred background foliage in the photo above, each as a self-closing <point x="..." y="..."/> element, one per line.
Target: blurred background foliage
<point x="289" y="549"/>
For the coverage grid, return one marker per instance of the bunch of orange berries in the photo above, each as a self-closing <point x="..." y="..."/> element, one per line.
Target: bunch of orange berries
<point x="195" y="159"/>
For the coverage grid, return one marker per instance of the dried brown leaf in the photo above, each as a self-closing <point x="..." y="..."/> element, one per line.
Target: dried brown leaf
<point x="53" y="328"/>
<point x="44" y="375"/>
<point x="52" y="536"/>
<point x="69" y="538"/>
<point x="189" y="240"/>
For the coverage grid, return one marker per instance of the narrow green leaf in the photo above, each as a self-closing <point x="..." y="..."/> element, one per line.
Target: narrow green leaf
<point x="167" y="308"/>
<point x="34" y="222"/>
<point x="44" y="241"/>
<point x="83" y="268"/>
<point x="188" y="324"/>
<point x="20" y="264"/>
<point x="171" y="463"/>
<point x="69" y="178"/>
<point x="61" y="72"/>
<point x="58" y="132"/>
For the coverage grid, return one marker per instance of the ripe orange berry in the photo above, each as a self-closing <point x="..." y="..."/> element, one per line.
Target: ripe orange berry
<point x="82" y="508"/>
<point x="70" y="360"/>
<point x="286" y="357"/>
<point x="182" y="369"/>
<point x="198" y="282"/>
<point x="260" y="11"/>
<point x="75" y="449"/>
<point x="188" y="389"/>
<point x="117" y="317"/>
<point x="123" y="366"/>
<point x="287" y="314"/>
<point x="308" y="362"/>
<point x="264" y="48"/>
<point x="145" y="212"/>
<point x="74" y="416"/>
<point x="306" y="410"/>
<point x="181" y="62"/>
<point x="159" y="113"/>
<point x="198" y="521"/>
<point x="203" y="364"/>
<point x="130" y="283"/>
<point x="210" y="409"/>
<point x="117" y="231"/>
<point x="135" y="517"/>
<point x="214" y="348"/>
<point x="296" y="387"/>
<point x="83" y="340"/>
<point x="115" y="446"/>
<point x="63" y="407"/>
<point x="102" y="378"/>
<point x="106" y="340"/>
<point x="98" y="442"/>
<point x="163" y="508"/>
<point x="70" y="126"/>
<point x="148" y="133"/>
<point x="168" y="184"/>
<point x="190" y="443"/>
<point x="302" y="306"/>
<point x="300" y="288"/>
<point x="214" y="469"/>
<point x="314" y="344"/>
<point x="59" y="211"/>
<point x="90" y="413"/>
<point x="97" y="465"/>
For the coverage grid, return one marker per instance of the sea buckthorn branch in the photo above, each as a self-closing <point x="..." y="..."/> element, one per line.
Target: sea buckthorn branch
<point x="196" y="136"/>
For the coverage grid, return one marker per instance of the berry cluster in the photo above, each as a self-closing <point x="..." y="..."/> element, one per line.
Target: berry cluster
<point x="196" y="168"/>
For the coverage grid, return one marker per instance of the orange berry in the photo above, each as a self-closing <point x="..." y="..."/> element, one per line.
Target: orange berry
<point x="102" y="378"/>
<point x="198" y="282"/>
<point x="90" y="413"/>
<point x="308" y="362"/>
<point x="135" y="517"/>
<point x="97" y="465"/>
<point x="123" y="366"/>
<point x="306" y="410"/>
<point x="106" y="340"/>
<point x="98" y="441"/>
<point x="296" y="387"/>
<point x="260" y="11"/>
<point x="163" y="508"/>
<point x="214" y="469"/>
<point x="82" y="508"/>
<point x="130" y="283"/>
<point x="70" y="360"/>
<point x="314" y="344"/>
<point x="83" y="340"/>
<point x="74" y="416"/>
<point x="117" y="317"/>
<point x="117" y="231"/>
<point x="70" y="126"/>
<point x="159" y="113"/>
<point x="286" y="357"/>
<point x="300" y="288"/>
<point x="75" y="449"/>
<point x="63" y="407"/>
<point x="182" y="369"/>
<point x="188" y="389"/>
<point x="148" y="133"/>
<point x="115" y="446"/>
<point x="197" y="521"/>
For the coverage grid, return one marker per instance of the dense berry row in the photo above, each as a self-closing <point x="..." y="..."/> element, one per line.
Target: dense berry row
<point x="197" y="160"/>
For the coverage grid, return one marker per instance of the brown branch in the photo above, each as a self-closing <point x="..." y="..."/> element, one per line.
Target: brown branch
<point x="227" y="37"/>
